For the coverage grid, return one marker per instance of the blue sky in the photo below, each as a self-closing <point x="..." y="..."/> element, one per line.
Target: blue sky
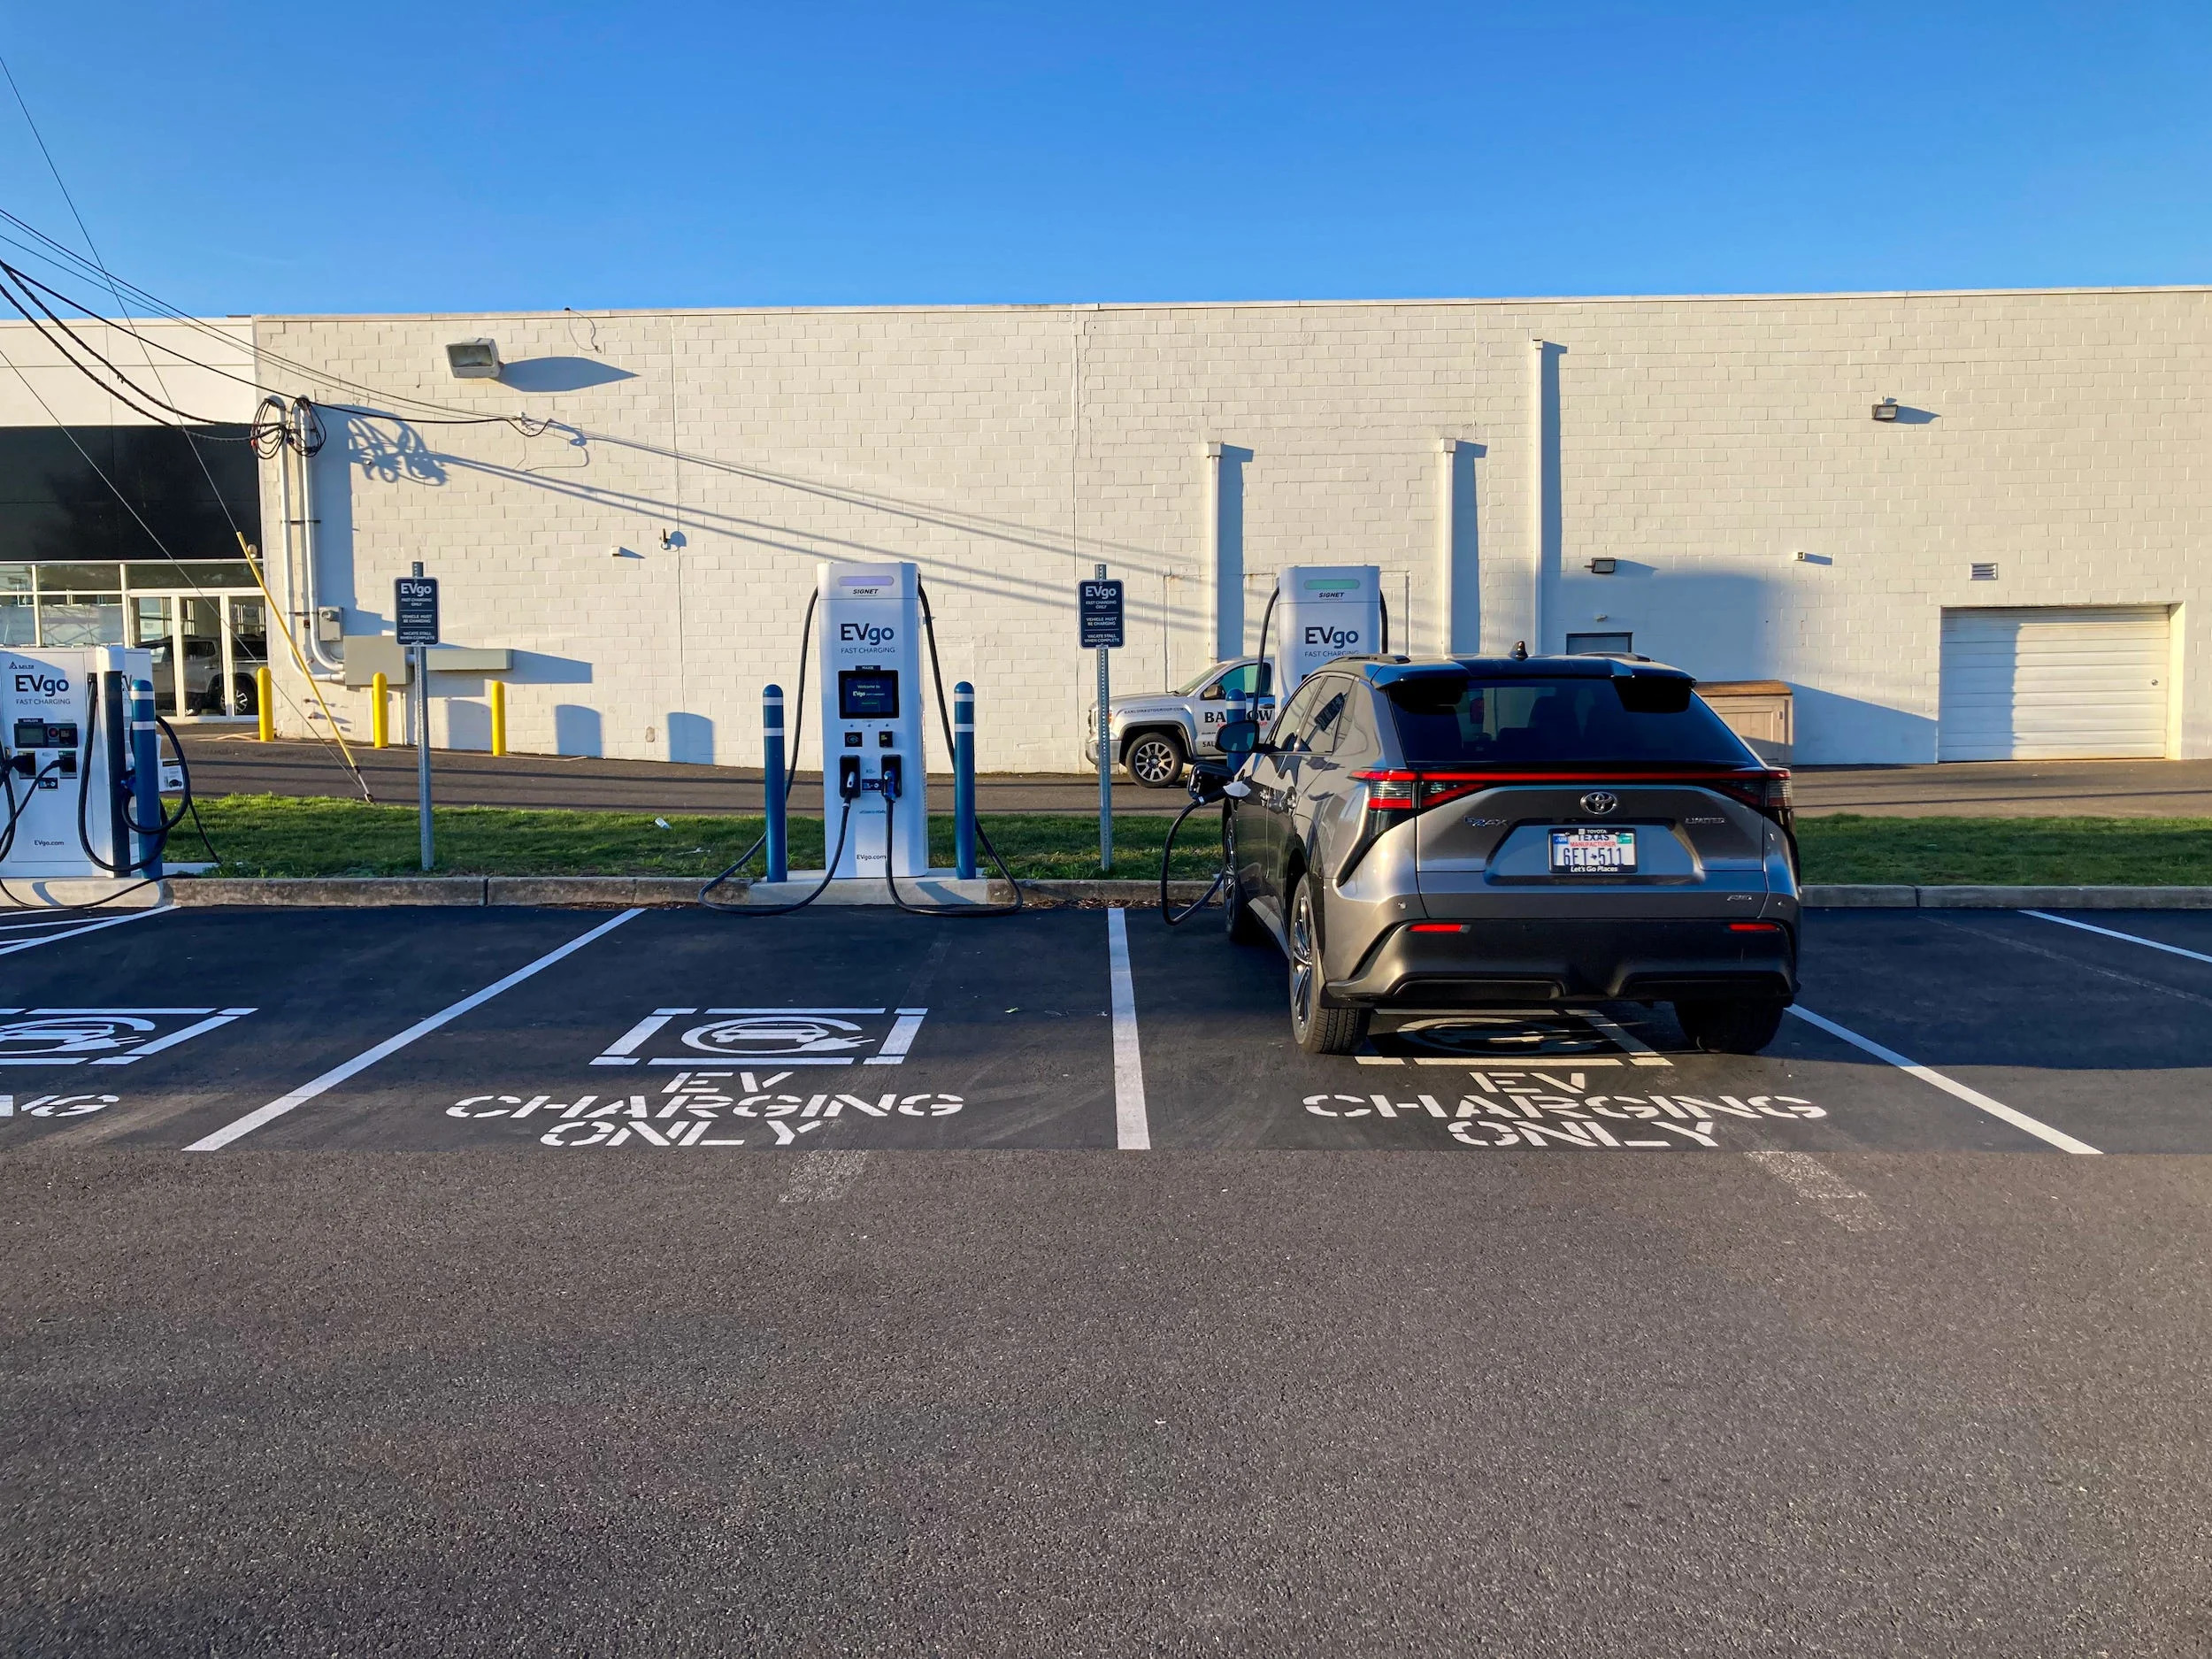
<point x="410" y="156"/>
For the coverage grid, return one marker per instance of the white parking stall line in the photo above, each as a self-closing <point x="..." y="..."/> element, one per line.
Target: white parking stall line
<point x="1823" y="1189"/>
<point x="1132" y="1130"/>
<point x="9" y="948"/>
<point x="2114" y="932"/>
<point x="1997" y="1109"/>
<point x="392" y="1045"/>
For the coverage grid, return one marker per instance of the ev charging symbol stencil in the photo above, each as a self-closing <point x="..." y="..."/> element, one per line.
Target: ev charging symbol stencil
<point x="780" y="1036"/>
<point x="102" y="1036"/>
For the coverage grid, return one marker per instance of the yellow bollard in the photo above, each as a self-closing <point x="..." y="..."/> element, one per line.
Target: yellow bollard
<point x="380" y="711"/>
<point x="499" y="716"/>
<point x="265" y="705"/>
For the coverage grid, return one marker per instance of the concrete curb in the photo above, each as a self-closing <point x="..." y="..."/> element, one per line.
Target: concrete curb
<point x="1984" y="898"/>
<point x="70" y="893"/>
<point x="1113" y="892"/>
<point x="327" y="891"/>
<point x="620" y="892"/>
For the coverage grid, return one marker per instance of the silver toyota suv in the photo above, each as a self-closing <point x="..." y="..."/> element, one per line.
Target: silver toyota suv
<point x="1156" y="736"/>
<point x="1551" y="831"/>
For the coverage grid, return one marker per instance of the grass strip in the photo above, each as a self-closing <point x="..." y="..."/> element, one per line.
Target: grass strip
<point x="1851" y="847"/>
<point x="284" y="835"/>
<point x="278" y="835"/>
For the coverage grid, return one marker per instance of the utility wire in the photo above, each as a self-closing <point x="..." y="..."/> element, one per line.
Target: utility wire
<point x="59" y="254"/>
<point x="162" y="547"/>
<point x="214" y="490"/>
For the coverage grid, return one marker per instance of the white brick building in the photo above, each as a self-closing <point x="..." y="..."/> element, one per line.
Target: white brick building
<point x="647" y="558"/>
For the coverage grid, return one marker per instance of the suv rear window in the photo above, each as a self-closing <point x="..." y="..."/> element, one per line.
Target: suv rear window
<point x="1448" y="722"/>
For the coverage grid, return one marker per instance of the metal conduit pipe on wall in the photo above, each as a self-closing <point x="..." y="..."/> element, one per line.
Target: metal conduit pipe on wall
<point x="329" y="669"/>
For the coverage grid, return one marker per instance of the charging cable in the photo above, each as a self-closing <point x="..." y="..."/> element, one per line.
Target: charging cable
<point x="829" y="873"/>
<point x="1210" y="785"/>
<point x="123" y="864"/>
<point x="791" y="774"/>
<point x="944" y="721"/>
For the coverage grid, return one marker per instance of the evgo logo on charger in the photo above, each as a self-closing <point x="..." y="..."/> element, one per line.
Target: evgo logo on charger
<point x="1337" y="637"/>
<point x="864" y="634"/>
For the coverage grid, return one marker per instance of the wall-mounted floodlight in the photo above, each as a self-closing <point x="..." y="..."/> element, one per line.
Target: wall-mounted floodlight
<point x="1602" y="567"/>
<point x="1803" y="556"/>
<point x="1887" y="409"/>
<point x="473" y="359"/>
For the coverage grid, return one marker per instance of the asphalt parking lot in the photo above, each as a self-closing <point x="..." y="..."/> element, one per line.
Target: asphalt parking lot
<point x="510" y="1281"/>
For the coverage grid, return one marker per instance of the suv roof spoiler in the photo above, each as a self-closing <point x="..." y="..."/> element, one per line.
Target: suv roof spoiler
<point x="1385" y="671"/>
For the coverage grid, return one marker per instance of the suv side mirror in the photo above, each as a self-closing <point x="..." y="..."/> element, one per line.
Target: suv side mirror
<point x="1238" y="737"/>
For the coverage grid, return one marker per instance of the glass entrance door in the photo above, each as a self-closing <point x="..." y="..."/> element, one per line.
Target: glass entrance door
<point x="153" y="624"/>
<point x="206" y="648"/>
<point x="246" y="627"/>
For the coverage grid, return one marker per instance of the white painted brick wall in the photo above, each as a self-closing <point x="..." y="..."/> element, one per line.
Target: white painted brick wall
<point x="1702" y="442"/>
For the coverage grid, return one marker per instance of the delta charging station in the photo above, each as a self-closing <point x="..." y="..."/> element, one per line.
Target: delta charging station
<point x="81" y="771"/>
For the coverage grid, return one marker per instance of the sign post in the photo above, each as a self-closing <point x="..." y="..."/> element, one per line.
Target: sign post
<point x="415" y="622"/>
<point x="1098" y="605"/>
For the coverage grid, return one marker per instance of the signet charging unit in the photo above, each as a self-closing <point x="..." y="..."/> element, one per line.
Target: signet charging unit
<point x="82" y="770"/>
<point x="1323" y="611"/>
<point x="872" y="688"/>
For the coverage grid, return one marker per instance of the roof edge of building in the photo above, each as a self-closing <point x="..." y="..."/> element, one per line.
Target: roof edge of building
<point x="1560" y="300"/>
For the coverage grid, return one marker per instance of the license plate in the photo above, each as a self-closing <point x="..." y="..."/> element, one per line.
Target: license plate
<point x="1592" y="852"/>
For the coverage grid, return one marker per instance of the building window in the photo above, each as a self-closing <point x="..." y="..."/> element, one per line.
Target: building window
<point x="54" y="506"/>
<point x="1600" y="644"/>
<point x="204" y="623"/>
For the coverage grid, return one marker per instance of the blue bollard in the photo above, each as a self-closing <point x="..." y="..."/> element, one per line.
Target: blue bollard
<point x="773" y="783"/>
<point x="146" y="777"/>
<point x="963" y="780"/>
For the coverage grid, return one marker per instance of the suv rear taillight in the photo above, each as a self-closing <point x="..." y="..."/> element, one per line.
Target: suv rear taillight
<point x="1399" y="794"/>
<point x="1766" y="793"/>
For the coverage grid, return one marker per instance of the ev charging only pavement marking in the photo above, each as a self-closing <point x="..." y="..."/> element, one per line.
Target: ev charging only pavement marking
<point x="2114" y="932"/>
<point x="1132" y="1130"/>
<point x="362" y="1061"/>
<point x="10" y="947"/>
<point x="2063" y="1141"/>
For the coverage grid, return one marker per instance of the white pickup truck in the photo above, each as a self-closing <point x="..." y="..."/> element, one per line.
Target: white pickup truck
<point x="1156" y="735"/>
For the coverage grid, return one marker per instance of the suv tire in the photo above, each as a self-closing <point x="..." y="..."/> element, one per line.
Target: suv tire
<point x="1316" y="1027"/>
<point x="1729" y="1027"/>
<point x="1155" y="759"/>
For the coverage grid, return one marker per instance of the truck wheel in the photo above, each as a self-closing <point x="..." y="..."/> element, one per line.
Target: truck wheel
<point x="1155" y="760"/>
<point x="1729" y="1027"/>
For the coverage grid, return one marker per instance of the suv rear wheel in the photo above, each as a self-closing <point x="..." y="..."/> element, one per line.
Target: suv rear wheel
<point x="1318" y="1028"/>
<point x="1155" y="759"/>
<point x="1729" y="1027"/>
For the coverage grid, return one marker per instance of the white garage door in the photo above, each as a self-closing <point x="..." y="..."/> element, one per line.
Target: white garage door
<point x="2051" y="684"/>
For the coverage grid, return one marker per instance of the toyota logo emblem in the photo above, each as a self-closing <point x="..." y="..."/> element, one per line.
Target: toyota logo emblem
<point x="1598" y="802"/>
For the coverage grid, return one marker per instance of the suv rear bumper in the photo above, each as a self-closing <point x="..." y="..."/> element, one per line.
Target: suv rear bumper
<point x="1510" y="962"/>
